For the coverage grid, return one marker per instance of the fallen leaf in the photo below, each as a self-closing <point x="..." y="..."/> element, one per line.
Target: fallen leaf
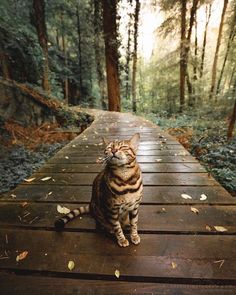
<point x="203" y="197"/>
<point x="62" y="210"/>
<point x="208" y="228"/>
<point x="220" y="228"/>
<point x="24" y="204"/>
<point x="71" y="265"/>
<point x="46" y="178"/>
<point x="220" y="261"/>
<point x="185" y="196"/>
<point x="194" y="210"/>
<point x="21" y="256"/>
<point x="29" y="179"/>
<point x="117" y="273"/>
<point x="158" y="160"/>
<point x="174" y="265"/>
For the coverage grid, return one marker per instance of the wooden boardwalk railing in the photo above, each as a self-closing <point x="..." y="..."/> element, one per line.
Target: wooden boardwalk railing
<point x="181" y="251"/>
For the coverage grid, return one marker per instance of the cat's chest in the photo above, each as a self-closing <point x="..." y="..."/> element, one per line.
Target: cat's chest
<point x="128" y="202"/>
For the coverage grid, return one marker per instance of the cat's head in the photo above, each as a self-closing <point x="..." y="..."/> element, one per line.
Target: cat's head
<point x="121" y="152"/>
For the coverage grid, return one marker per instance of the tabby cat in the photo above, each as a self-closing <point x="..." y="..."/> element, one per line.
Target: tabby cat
<point x="117" y="192"/>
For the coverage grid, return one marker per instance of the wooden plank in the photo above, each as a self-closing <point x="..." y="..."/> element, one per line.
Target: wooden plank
<point x="171" y="179"/>
<point x="145" y="167"/>
<point x="78" y="146"/>
<point x="97" y="256"/>
<point x="155" y="219"/>
<point x="141" y="159"/>
<point x="11" y="284"/>
<point x="163" y="152"/>
<point x="152" y="194"/>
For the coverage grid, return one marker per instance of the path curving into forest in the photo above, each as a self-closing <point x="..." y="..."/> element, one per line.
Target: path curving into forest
<point x="187" y="223"/>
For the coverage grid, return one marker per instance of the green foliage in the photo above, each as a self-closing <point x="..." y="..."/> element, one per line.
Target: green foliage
<point x="205" y="133"/>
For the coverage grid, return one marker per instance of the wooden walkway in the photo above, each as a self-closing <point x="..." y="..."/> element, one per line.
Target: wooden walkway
<point x="181" y="252"/>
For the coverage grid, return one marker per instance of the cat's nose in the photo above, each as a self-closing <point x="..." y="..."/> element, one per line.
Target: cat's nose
<point x="114" y="150"/>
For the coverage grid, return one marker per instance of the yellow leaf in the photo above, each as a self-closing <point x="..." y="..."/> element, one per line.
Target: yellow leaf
<point x="220" y="228"/>
<point x="158" y="160"/>
<point x="21" y="256"/>
<point x="62" y="210"/>
<point x="117" y="273"/>
<point x="174" y="265"/>
<point x="71" y="265"/>
<point x="194" y="210"/>
<point x="203" y="197"/>
<point x="46" y="178"/>
<point x="185" y="196"/>
<point x="29" y="179"/>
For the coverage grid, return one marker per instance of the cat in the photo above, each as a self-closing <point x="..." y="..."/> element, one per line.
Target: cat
<point x="117" y="192"/>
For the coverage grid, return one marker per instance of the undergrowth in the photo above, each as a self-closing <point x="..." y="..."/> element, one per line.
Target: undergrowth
<point x="203" y="133"/>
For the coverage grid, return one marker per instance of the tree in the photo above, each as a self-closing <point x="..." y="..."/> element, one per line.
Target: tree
<point x="99" y="52"/>
<point x="229" y="43"/>
<point x="40" y="24"/>
<point x="183" y="54"/>
<point x="214" y="66"/>
<point x="136" y="20"/>
<point x="128" y="57"/>
<point x="111" y="53"/>
<point x="208" y="15"/>
<point x="232" y="119"/>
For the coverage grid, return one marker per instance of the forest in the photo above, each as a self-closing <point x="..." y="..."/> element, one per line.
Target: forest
<point x="173" y="62"/>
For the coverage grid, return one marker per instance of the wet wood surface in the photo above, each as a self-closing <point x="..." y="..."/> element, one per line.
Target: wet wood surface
<point x="188" y="244"/>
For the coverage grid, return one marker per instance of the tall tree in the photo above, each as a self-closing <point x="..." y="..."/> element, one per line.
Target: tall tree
<point x="183" y="54"/>
<point x="232" y="34"/>
<point x="65" y="82"/>
<point x="128" y="56"/>
<point x="79" y="46"/>
<point x="214" y="67"/>
<point x="135" y="58"/>
<point x="193" y="12"/>
<point x="40" y="24"/>
<point x="208" y="15"/>
<point x="111" y="53"/>
<point x="99" y="52"/>
<point x="195" y="50"/>
<point x="232" y="119"/>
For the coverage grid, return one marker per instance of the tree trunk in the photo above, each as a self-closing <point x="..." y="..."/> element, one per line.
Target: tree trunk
<point x="66" y="84"/>
<point x="230" y="40"/>
<point x="183" y="55"/>
<point x="136" y="20"/>
<point x="79" y="48"/>
<point x="191" y="22"/>
<point x="195" y="51"/>
<point x="232" y="119"/>
<point x="111" y="53"/>
<point x="99" y="53"/>
<point x="5" y="66"/>
<point x="128" y="58"/>
<point x="208" y="15"/>
<point x="40" y="24"/>
<point x="214" y="67"/>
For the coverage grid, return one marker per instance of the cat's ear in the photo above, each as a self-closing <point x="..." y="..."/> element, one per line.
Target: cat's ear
<point x="134" y="141"/>
<point x="105" y="141"/>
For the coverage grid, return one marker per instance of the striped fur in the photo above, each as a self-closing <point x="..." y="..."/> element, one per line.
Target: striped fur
<point x="117" y="192"/>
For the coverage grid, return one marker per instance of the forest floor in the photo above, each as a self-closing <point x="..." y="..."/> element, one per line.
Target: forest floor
<point x="24" y="150"/>
<point x="203" y="134"/>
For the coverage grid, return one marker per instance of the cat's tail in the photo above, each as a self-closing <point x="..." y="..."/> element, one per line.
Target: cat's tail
<point x="61" y="222"/>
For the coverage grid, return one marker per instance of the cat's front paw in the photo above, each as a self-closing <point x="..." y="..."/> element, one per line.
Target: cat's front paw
<point x="123" y="243"/>
<point x="135" y="239"/>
